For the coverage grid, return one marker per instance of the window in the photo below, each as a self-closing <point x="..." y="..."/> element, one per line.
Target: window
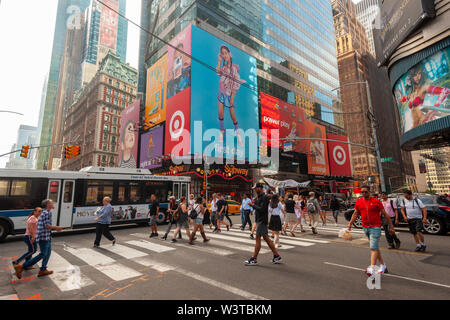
<point x="97" y="190"/>
<point x="117" y="84"/>
<point x="114" y="120"/>
<point x="106" y="117"/>
<point x="105" y="137"/>
<point x="108" y="90"/>
<point x="106" y="128"/>
<point x="108" y="99"/>
<point x="116" y="101"/>
<point x="109" y="81"/>
<point x="20" y="187"/>
<point x="113" y="130"/>
<point x="124" y="87"/>
<point x="131" y="90"/>
<point x="53" y="191"/>
<point x="113" y="139"/>
<point x="68" y="189"/>
<point x="116" y="94"/>
<point x="4" y="188"/>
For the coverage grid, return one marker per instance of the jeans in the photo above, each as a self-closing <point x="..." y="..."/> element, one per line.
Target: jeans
<point x="32" y="248"/>
<point x="389" y="238"/>
<point x="247" y="219"/>
<point x="242" y="219"/>
<point x="335" y="215"/>
<point x="102" y="229"/>
<point x="45" y="246"/>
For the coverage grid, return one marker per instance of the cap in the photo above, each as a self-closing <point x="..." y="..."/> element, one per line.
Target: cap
<point x="258" y="185"/>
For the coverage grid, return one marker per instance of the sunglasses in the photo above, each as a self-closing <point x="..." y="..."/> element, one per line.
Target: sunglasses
<point x="364" y="191"/>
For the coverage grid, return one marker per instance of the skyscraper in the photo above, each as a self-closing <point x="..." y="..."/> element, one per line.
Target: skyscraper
<point x="26" y="135"/>
<point x="62" y="15"/>
<point x="366" y="12"/>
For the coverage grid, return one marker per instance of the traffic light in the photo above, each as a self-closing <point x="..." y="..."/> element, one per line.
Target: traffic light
<point x="68" y="152"/>
<point x="24" y="152"/>
<point x="76" y="150"/>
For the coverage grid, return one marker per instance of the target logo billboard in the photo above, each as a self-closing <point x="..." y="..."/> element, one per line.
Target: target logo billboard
<point x="178" y="123"/>
<point x="339" y="156"/>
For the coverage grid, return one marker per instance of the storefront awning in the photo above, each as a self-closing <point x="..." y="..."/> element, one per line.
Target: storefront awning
<point x="286" y="183"/>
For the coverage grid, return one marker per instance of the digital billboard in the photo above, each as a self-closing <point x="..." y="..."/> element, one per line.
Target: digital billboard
<point x="224" y="97"/>
<point x="317" y="149"/>
<point x="109" y="22"/>
<point x="339" y="156"/>
<point x="152" y="148"/>
<point x="422" y="94"/>
<point x="179" y="64"/>
<point x="288" y="119"/>
<point x="155" y="104"/>
<point x="128" y="141"/>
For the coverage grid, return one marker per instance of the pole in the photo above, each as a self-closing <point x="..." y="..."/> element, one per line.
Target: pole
<point x="377" y="147"/>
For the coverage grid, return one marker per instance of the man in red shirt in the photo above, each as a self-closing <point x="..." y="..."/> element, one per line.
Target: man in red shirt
<point x="370" y="209"/>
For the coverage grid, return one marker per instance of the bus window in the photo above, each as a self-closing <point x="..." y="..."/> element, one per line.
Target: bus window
<point x="4" y="188"/>
<point x="53" y="193"/>
<point x="68" y="189"/>
<point x="135" y="192"/>
<point x="97" y="190"/>
<point x="20" y="187"/>
<point x="121" y="194"/>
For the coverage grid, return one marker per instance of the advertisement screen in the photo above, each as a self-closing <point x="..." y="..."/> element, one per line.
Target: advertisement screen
<point x="288" y="119"/>
<point x="155" y="104"/>
<point x="422" y="94"/>
<point x="178" y="64"/>
<point x="224" y="96"/>
<point x="317" y="149"/>
<point x="109" y="22"/>
<point x="178" y="124"/>
<point x="339" y="155"/>
<point x="85" y="215"/>
<point x="152" y="148"/>
<point x="128" y="141"/>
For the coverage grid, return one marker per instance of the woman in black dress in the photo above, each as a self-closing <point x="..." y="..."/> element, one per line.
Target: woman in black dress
<point x="207" y="214"/>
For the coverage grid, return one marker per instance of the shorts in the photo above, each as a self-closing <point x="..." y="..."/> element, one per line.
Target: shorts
<point x="198" y="221"/>
<point x="152" y="221"/>
<point x="226" y="100"/>
<point x="415" y="225"/>
<point x="183" y="224"/>
<point x="291" y="217"/>
<point x="261" y="229"/>
<point x="374" y="235"/>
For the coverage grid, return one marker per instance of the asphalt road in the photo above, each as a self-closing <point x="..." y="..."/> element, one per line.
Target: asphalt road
<point x="314" y="267"/>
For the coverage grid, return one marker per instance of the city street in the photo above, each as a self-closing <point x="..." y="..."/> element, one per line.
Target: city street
<point x="314" y="267"/>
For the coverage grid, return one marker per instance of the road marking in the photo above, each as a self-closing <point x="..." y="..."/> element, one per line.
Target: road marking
<point x="240" y="239"/>
<point x="223" y="286"/>
<point x="66" y="276"/>
<point x="123" y="251"/>
<point x="161" y="267"/>
<point x="237" y="246"/>
<point x="231" y="237"/>
<point x="150" y="246"/>
<point x="284" y="237"/>
<point x="104" y="264"/>
<point x="10" y="297"/>
<point x="392" y="275"/>
<point x="217" y="251"/>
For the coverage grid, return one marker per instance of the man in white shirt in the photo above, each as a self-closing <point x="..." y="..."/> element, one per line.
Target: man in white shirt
<point x="213" y="210"/>
<point x="415" y="214"/>
<point x="247" y="209"/>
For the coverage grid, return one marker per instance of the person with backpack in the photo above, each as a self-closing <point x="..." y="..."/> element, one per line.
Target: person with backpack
<point x="335" y="206"/>
<point x="173" y="216"/>
<point x="313" y="208"/>
<point x="415" y="214"/>
<point x="182" y="221"/>
<point x="391" y="209"/>
<point x="197" y="214"/>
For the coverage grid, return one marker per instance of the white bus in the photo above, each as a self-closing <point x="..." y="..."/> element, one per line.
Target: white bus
<point x="78" y="195"/>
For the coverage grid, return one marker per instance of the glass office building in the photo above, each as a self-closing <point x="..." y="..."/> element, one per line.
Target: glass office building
<point x="292" y="40"/>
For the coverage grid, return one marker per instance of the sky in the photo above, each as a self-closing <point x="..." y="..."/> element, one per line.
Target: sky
<point x="26" y="35"/>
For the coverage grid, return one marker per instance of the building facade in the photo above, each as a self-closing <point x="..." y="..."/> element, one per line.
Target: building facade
<point x="62" y="15"/>
<point x="26" y="135"/>
<point x="432" y="167"/>
<point x="93" y="119"/>
<point x="366" y="12"/>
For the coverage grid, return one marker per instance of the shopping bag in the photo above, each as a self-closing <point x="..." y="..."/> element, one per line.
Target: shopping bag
<point x="345" y="234"/>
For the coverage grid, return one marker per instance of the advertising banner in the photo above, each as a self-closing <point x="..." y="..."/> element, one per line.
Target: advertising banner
<point x="317" y="149"/>
<point x="128" y="141"/>
<point x="155" y="104"/>
<point x="422" y="94"/>
<point x="109" y="22"/>
<point x="178" y="124"/>
<point x="152" y="148"/>
<point x="85" y="215"/>
<point x="339" y="155"/>
<point x="288" y="119"/>
<point x="396" y="21"/>
<point x="178" y="64"/>
<point x="225" y="97"/>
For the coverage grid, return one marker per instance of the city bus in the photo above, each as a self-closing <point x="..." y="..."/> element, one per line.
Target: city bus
<point x="77" y="195"/>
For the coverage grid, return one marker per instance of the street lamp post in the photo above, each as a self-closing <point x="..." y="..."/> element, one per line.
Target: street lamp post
<point x="374" y="130"/>
<point x="6" y="111"/>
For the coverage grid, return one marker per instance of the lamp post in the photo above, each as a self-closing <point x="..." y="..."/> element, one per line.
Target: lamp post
<point x="6" y="111"/>
<point x="374" y="130"/>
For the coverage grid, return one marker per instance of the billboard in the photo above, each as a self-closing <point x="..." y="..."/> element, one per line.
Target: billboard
<point x="155" y="104"/>
<point x="109" y="22"/>
<point x="288" y="119"/>
<point x="225" y="97"/>
<point x="152" y="148"/>
<point x="317" y="149"/>
<point x="339" y="156"/>
<point x="396" y="21"/>
<point x="179" y="64"/>
<point x="128" y="141"/>
<point x="422" y="94"/>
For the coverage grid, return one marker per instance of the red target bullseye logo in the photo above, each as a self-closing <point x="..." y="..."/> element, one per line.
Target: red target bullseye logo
<point x="176" y="124"/>
<point x="339" y="155"/>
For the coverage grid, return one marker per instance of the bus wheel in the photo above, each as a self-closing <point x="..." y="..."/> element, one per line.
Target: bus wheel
<point x="4" y="230"/>
<point x="161" y="217"/>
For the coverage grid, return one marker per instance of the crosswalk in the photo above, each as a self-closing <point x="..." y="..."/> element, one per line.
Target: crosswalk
<point x="71" y="263"/>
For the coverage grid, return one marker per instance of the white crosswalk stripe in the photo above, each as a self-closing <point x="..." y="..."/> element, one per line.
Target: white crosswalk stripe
<point x="148" y="262"/>
<point x="241" y="239"/>
<point x="282" y="237"/>
<point x="104" y="264"/>
<point x="150" y="245"/>
<point x="126" y="252"/>
<point x="66" y="276"/>
<point x="237" y="246"/>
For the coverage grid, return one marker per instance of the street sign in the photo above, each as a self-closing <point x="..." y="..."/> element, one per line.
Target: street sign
<point x="389" y="159"/>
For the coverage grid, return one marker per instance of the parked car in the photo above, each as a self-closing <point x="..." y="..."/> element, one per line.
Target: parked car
<point x="438" y="213"/>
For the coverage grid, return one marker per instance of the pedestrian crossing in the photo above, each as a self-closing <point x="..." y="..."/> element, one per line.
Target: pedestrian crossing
<point x="78" y="267"/>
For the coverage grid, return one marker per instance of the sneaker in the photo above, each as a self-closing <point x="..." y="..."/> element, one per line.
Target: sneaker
<point x="96" y="246"/>
<point x="423" y="248"/>
<point x="251" y="262"/>
<point x="278" y="246"/>
<point x="382" y="269"/>
<point x="335" y="224"/>
<point x="44" y="273"/>
<point x="174" y="240"/>
<point x="397" y="244"/>
<point x="418" y="248"/>
<point x="369" y="271"/>
<point x="114" y="242"/>
<point x="303" y="230"/>
<point x="152" y="235"/>
<point x="276" y="260"/>
<point x="19" y="270"/>
<point x="314" y="230"/>
<point x="391" y="246"/>
<point x="252" y="237"/>
<point x="242" y="229"/>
